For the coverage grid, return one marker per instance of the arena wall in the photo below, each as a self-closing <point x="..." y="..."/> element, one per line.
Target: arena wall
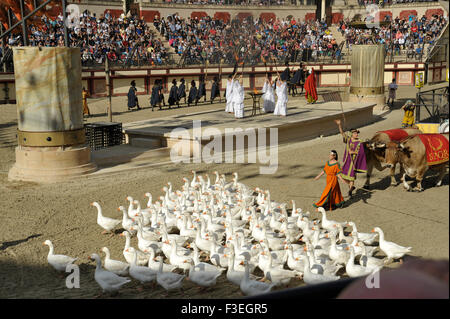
<point x="328" y="75"/>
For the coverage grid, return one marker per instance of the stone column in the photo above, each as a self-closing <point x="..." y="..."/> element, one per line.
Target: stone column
<point x="51" y="137"/>
<point x="322" y="11"/>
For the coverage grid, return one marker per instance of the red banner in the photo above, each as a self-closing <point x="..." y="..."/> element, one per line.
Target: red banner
<point x="436" y="146"/>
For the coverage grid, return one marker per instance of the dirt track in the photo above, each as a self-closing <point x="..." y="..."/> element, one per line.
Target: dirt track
<point x="31" y="213"/>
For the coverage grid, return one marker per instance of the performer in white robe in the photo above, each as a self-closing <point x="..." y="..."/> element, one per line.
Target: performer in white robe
<point x="282" y="98"/>
<point x="229" y="95"/>
<point x="238" y="98"/>
<point x="268" y="96"/>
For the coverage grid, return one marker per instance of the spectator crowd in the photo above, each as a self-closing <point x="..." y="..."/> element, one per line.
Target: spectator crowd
<point x="249" y="40"/>
<point x="128" y="40"/>
<point x="124" y="39"/>
<point x="409" y="35"/>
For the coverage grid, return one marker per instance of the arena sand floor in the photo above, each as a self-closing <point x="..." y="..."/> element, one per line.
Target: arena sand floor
<point x="31" y="213"/>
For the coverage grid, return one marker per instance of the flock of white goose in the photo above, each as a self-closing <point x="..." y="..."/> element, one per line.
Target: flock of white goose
<point x="238" y="229"/>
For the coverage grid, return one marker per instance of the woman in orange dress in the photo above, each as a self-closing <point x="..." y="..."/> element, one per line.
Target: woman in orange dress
<point x="331" y="196"/>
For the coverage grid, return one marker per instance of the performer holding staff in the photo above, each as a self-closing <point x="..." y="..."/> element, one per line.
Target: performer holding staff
<point x="354" y="157"/>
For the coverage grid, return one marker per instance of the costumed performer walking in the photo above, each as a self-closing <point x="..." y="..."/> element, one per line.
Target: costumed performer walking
<point x="331" y="196"/>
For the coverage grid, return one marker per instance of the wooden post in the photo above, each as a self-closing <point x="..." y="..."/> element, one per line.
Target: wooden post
<point x="3" y="47"/>
<point x="24" y="24"/>
<point x="108" y="88"/>
<point x="64" y="13"/>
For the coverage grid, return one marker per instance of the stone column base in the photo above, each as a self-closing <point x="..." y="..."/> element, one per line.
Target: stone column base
<point x="379" y="100"/>
<point x="51" y="164"/>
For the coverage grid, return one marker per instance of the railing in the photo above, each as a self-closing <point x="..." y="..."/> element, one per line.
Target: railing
<point x="431" y="104"/>
<point x="6" y="63"/>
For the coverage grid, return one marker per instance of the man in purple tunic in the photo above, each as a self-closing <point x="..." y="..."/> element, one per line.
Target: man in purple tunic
<point x="354" y="160"/>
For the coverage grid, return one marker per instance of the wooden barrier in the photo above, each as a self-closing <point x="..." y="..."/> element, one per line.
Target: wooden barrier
<point x="327" y="75"/>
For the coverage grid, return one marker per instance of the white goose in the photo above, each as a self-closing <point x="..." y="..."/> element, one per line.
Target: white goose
<point x="337" y="253"/>
<point x="106" y="223"/>
<point x="150" y="198"/>
<point x="359" y="246"/>
<point x="342" y="238"/>
<point x="233" y="275"/>
<point x="252" y="287"/>
<point x="322" y="265"/>
<point x="218" y="256"/>
<point x="366" y="238"/>
<point x="168" y="280"/>
<point x="154" y="264"/>
<point x="294" y="263"/>
<point x="166" y="247"/>
<point x="108" y="281"/>
<point x="131" y="210"/>
<point x="311" y="278"/>
<point x="116" y="266"/>
<point x="392" y="250"/>
<point x="58" y="262"/>
<point x="203" y="244"/>
<point x="279" y="276"/>
<point x="141" y="273"/>
<point x="203" y="278"/>
<point x="128" y="255"/>
<point x="190" y="232"/>
<point x="327" y="223"/>
<point x="127" y="223"/>
<point x="183" y="262"/>
<point x="369" y="261"/>
<point x="354" y="270"/>
<point x="202" y="265"/>
<point x="145" y="243"/>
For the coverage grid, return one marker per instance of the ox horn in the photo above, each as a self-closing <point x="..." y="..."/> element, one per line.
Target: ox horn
<point x="381" y="145"/>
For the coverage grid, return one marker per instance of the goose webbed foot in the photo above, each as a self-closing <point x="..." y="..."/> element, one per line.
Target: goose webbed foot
<point x="140" y="288"/>
<point x="99" y="295"/>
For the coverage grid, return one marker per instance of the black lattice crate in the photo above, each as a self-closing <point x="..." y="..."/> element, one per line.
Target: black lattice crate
<point x="104" y="134"/>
